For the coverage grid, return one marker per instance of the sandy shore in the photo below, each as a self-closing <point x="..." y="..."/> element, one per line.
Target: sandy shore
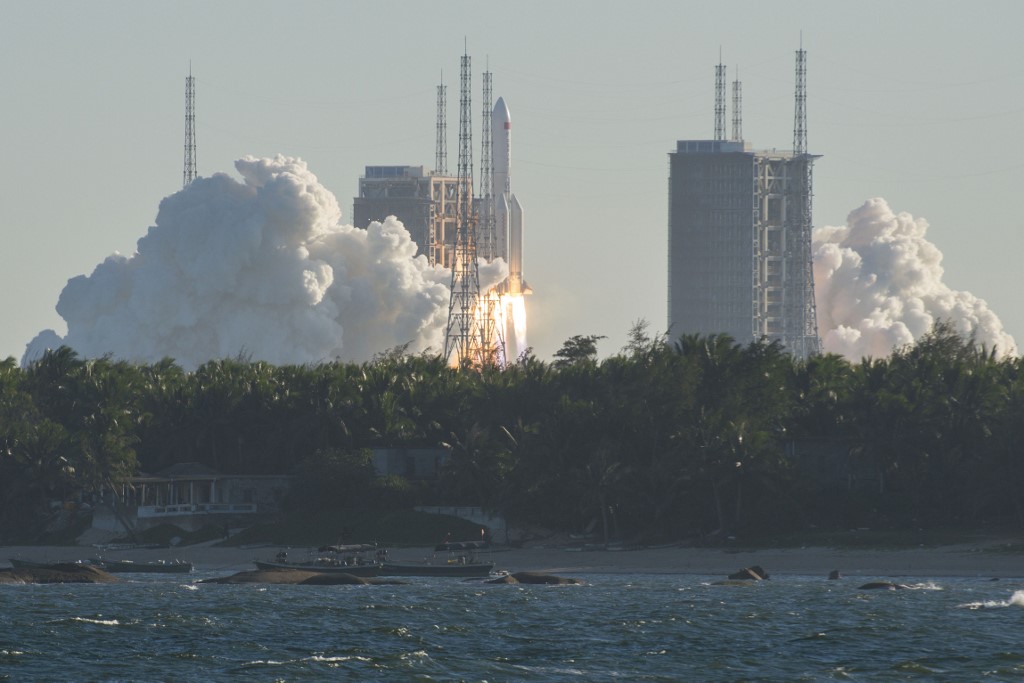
<point x="960" y="560"/>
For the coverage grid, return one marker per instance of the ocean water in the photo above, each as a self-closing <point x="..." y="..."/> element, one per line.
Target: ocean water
<point x="612" y="628"/>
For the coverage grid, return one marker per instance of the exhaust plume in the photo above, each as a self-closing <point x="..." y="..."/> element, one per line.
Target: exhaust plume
<point x="878" y="285"/>
<point x="262" y="268"/>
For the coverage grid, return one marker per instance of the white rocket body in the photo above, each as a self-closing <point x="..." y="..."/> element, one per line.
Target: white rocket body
<point x="508" y="212"/>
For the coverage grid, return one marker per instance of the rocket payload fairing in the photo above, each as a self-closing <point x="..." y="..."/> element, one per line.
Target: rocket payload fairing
<point x="508" y="212"/>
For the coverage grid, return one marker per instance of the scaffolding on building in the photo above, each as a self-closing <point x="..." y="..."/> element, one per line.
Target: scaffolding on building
<point x="740" y="226"/>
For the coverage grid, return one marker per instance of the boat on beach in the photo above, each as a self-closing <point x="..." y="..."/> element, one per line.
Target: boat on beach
<point x="461" y="561"/>
<point x="426" y="568"/>
<point x="332" y="559"/>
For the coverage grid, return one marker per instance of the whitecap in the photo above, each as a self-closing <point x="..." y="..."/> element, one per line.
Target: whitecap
<point x="101" y="622"/>
<point x="1016" y="600"/>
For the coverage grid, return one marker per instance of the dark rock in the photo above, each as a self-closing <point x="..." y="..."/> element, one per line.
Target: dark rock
<point x="281" y="576"/>
<point x="335" y="579"/>
<point x="544" y="579"/>
<point x="299" y="577"/>
<point x="834" y="574"/>
<point x="64" y="572"/>
<point x="508" y="578"/>
<point x="755" y="573"/>
<point x="881" y="585"/>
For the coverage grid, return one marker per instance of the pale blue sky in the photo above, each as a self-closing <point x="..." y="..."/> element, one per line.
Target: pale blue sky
<point x="917" y="102"/>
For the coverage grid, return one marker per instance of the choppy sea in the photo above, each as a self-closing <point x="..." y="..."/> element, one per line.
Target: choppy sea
<point x="612" y="628"/>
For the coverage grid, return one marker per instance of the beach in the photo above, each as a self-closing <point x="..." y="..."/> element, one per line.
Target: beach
<point x="986" y="560"/>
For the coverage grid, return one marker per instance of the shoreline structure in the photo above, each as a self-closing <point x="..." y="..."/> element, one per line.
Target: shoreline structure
<point x="962" y="560"/>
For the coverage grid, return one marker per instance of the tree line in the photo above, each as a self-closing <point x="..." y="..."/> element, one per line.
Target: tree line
<point x="696" y="436"/>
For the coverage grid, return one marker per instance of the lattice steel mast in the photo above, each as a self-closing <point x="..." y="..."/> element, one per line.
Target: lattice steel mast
<point x="464" y="336"/>
<point x="487" y="223"/>
<point x="720" y="100"/>
<point x="189" y="173"/>
<point x="737" y="108"/>
<point x="441" y="156"/>
<point x="802" y="329"/>
<point x="492" y="332"/>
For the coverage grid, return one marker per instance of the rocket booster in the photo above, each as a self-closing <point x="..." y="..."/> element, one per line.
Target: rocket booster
<point x="515" y="247"/>
<point x="508" y="211"/>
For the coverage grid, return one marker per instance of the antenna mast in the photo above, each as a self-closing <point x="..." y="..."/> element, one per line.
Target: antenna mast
<point x="487" y="222"/>
<point x="189" y="173"/>
<point x="720" y="100"/>
<point x="800" y="115"/>
<point x="463" y="336"/>
<point x="491" y="333"/>
<point x="803" y="341"/>
<point x="441" y="158"/>
<point x="737" y="108"/>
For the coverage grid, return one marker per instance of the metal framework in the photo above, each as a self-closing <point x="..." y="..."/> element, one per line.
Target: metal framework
<point x="740" y="225"/>
<point x="189" y="174"/>
<point x="720" y="102"/>
<point x="441" y="156"/>
<point x="737" y="109"/>
<point x="802" y="330"/>
<point x="800" y="113"/>
<point x="486" y="216"/>
<point x="469" y="334"/>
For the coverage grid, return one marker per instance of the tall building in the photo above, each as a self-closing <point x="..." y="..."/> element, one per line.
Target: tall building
<point x="426" y="203"/>
<point x="740" y="238"/>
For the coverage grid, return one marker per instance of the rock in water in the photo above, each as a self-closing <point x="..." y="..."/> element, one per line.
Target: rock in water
<point x="755" y="573"/>
<point x="537" y="578"/>
<point x="299" y="577"/>
<point x="65" y="572"/>
<point x="284" y="577"/>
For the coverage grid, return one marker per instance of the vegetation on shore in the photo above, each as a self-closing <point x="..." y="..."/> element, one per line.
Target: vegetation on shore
<point x="699" y="438"/>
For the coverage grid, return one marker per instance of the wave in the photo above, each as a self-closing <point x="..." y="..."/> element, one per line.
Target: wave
<point x="1016" y="600"/>
<point x="99" y="622"/>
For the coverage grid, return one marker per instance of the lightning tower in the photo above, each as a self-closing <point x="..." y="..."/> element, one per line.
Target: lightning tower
<point x="801" y="335"/>
<point x="467" y="332"/>
<point x="189" y="173"/>
<point x="492" y="319"/>
<point x="441" y="157"/>
<point x="737" y="108"/>
<point x="487" y="235"/>
<point x="720" y="100"/>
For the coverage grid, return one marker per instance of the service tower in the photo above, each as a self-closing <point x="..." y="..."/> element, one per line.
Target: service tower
<point x="740" y="236"/>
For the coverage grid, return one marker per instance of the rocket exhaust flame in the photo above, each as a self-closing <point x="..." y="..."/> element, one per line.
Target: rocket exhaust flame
<point x="518" y="304"/>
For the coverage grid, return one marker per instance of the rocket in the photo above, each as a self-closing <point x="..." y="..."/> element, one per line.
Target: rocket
<point x="508" y="212"/>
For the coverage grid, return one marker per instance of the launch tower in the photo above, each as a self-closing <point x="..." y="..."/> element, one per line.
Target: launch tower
<point x="470" y="331"/>
<point x="189" y="173"/>
<point x="740" y="236"/>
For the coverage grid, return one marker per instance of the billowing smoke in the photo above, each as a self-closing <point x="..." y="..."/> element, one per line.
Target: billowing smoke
<point x="261" y="268"/>
<point x="878" y="285"/>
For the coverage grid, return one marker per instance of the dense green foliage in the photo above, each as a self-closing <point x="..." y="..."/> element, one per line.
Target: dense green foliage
<point x="698" y="437"/>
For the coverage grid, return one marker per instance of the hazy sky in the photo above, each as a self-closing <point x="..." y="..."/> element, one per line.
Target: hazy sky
<point x="915" y="102"/>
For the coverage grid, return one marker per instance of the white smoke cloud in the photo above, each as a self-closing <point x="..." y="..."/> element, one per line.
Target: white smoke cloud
<point x="878" y="285"/>
<point x="261" y="267"/>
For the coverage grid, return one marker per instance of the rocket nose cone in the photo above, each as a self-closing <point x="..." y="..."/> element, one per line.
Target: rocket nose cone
<point x="500" y="111"/>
